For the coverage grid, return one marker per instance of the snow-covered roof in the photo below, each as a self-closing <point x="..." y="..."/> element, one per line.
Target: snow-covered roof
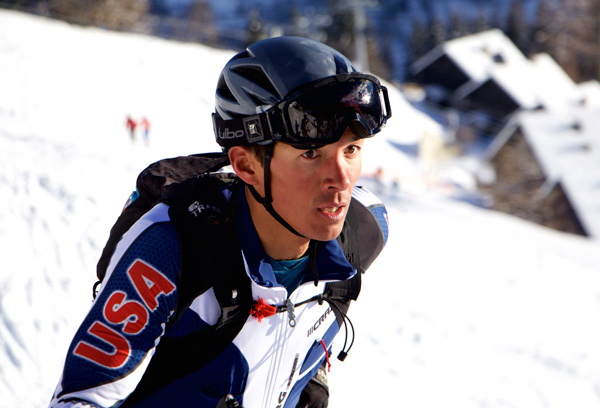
<point x="491" y="55"/>
<point x="482" y="53"/>
<point x="474" y="53"/>
<point x="567" y="146"/>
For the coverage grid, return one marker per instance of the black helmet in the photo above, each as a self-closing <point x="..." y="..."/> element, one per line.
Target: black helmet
<point x="268" y="70"/>
<point x="271" y="92"/>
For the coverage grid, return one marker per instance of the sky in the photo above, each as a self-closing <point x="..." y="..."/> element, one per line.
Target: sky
<point x="464" y="308"/>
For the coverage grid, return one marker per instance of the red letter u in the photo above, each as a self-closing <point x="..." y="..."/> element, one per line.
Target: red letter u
<point x="121" y="348"/>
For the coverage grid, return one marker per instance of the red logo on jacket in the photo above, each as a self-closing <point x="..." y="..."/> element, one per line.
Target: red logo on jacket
<point x="131" y="314"/>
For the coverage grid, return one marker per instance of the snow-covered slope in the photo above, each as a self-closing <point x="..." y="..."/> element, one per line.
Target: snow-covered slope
<point x="465" y="308"/>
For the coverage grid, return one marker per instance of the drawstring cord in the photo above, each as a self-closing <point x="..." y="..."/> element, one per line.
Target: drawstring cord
<point x="261" y="309"/>
<point x="344" y="353"/>
<point x="326" y="356"/>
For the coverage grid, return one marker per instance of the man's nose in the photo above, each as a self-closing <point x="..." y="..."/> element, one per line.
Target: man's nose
<point x="338" y="174"/>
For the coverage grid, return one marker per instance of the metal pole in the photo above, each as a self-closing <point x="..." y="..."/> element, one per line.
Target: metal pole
<point x="360" y="41"/>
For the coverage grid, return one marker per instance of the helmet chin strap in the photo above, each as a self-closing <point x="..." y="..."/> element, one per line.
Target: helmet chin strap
<point x="267" y="201"/>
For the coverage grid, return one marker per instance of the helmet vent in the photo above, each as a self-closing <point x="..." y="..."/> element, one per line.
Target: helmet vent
<point x="256" y="75"/>
<point x="223" y="89"/>
<point x="256" y="100"/>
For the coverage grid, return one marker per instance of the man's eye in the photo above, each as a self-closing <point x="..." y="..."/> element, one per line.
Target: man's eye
<point x="310" y="154"/>
<point x="353" y="149"/>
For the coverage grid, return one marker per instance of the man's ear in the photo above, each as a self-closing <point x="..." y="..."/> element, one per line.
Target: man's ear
<point x="246" y="165"/>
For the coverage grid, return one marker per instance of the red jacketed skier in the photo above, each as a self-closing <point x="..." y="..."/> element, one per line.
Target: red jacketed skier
<point x="131" y="124"/>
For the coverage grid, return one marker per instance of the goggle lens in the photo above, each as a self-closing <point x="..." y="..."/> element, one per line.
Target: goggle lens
<point x="321" y="113"/>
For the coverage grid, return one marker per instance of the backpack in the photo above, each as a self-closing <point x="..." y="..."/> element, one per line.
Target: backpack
<point x="152" y="186"/>
<point x="198" y="208"/>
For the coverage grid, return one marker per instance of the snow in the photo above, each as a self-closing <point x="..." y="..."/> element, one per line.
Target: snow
<point x="591" y="93"/>
<point x="464" y="308"/>
<point x="563" y="93"/>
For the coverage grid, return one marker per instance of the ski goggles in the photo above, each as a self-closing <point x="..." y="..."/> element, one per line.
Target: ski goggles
<point x="314" y="115"/>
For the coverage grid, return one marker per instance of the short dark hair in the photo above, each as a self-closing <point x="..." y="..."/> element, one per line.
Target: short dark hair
<point x="259" y="151"/>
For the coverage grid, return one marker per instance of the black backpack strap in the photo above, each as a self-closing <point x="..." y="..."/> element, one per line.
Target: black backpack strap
<point x="204" y="222"/>
<point x="347" y="290"/>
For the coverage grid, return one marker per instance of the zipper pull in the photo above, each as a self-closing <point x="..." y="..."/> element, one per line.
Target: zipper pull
<point x="290" y="310"/>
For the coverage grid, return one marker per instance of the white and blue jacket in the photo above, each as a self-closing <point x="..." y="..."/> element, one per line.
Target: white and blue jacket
<point x="266" y="366"/>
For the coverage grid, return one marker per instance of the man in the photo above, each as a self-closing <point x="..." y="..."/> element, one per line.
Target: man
<point x="293" y="115"/>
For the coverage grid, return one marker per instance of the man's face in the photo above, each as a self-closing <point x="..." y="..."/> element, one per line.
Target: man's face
<point x="311" y="189"/>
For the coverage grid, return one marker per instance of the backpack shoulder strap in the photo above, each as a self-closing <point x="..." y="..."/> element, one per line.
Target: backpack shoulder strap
<point x="348" y="241"/>
<point x="203" y="219"/>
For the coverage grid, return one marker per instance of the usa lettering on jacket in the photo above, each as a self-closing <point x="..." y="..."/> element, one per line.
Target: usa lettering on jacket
<point x="132" y="315"/>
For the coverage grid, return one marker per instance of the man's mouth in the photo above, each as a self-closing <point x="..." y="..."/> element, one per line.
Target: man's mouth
<point x="333" y="213"/>
<point x="331" y="210"/>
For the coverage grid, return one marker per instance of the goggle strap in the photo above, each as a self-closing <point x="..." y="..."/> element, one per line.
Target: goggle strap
<point x="388" y="106"/>
<point x="265" y="127"/>
<point x="242" y="131"/>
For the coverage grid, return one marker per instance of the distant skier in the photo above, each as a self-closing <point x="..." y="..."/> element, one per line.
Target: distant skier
<point x="131" y="124"/>
<point x="145" y="124"/>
